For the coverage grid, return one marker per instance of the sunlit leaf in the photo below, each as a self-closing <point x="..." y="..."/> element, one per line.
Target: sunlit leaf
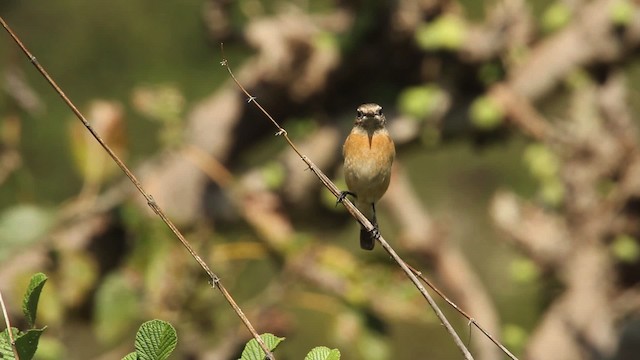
<point x="131" y="356"/>
<point x="155" y="340"/>
<point x="253" y="351"/>
<point x="323" y="353"/>
<point x="32" y="296"/>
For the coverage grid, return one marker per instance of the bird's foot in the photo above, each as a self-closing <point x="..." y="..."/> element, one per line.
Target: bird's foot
<point x="343" y="195"/>
<point x="375" y="233"/>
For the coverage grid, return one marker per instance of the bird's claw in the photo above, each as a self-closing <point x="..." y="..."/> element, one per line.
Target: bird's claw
<point x="375" y="233"/>
<point x="343" y="195"/>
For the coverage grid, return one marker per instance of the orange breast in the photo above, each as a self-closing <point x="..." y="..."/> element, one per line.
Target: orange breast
<point x="367" y="164"/>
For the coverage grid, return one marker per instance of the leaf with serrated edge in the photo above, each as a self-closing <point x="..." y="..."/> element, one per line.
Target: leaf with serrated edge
<point x="155" y="340"/>
<point x="31" y="297"/>
<point x="131" y="356"/>
<point x="253" y="351"/>
<point x="27" y="343"/>
<point x="6" y="350"/>
<point x="323" y="353"/>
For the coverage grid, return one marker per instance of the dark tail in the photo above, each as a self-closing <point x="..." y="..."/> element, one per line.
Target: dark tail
<point x="367" y="240"/>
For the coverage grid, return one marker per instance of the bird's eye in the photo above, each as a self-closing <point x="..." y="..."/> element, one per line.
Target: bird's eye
<point x="359" y="113"/>
<point x="379" y="111"/>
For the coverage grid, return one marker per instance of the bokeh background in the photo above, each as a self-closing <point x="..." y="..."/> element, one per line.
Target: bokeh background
<point x="516" y="186"/>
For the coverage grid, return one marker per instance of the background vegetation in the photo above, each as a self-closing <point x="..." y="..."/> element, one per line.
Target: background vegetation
<point x="515" y="188"/>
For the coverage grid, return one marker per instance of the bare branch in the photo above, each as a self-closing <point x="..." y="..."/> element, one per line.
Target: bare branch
<point x="355" y="213"/>
<point x="213" y="278"/>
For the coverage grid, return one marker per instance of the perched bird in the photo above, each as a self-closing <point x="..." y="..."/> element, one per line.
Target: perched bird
<point x="368" y="155"/>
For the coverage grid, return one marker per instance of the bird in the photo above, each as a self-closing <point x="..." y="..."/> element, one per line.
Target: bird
<point x="368" y="155"/>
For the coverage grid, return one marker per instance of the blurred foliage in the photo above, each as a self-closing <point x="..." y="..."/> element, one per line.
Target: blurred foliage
<point x="117" y="308"/>
<point x="420" y="102"/>
<point x="556" y="17"/>
<point x="486" y="114"/>
<point x="22" y="225"/>
<point x="626" y="249"/>
<point x="447" y="32"/>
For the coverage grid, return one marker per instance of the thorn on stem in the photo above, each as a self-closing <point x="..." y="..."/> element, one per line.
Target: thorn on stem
<point x="224" y="62"/>
<point x="281" y="132"/>
<point x="250" y="99"/>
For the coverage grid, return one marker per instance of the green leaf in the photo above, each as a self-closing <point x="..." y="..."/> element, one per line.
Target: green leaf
<point x="253" y="351"/>
<point x="155" y="340"/>
<point x="31" y="297"/>
<point x="6" y="350"/>
<point x="323" y="353"/>
<point x="27" y="343"/>
<point x="131" y="356"/>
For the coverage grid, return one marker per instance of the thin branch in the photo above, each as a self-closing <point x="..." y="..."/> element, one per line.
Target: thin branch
<point x="462" y="312"/>
<point x="9" y="331"/>
<point x="213" y="278"/>
<point x="353" y="211"/>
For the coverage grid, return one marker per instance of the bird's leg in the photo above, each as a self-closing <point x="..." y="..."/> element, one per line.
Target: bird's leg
<point x="343" y="195"/>
<point x="375" y="233"/>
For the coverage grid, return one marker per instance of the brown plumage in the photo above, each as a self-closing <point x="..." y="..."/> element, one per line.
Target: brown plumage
<point x="368" y="155"/>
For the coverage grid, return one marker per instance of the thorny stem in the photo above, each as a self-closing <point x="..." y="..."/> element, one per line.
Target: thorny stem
<point x="214" y="279"/>
<point x="354" y="212"/>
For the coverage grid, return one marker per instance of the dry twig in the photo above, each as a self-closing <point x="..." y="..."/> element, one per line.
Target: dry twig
<point x="354" y="212"/>
<point x="6" y="320"/>
<point x="213" y="278"/>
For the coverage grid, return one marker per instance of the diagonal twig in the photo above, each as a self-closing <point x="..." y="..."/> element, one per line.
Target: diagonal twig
<point x="353" y="211"/>
<point x="462" y="312"/>
<point x="213" y="278"/>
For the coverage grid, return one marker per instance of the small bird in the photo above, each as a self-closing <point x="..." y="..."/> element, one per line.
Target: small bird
<point x="368" y="155"/>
